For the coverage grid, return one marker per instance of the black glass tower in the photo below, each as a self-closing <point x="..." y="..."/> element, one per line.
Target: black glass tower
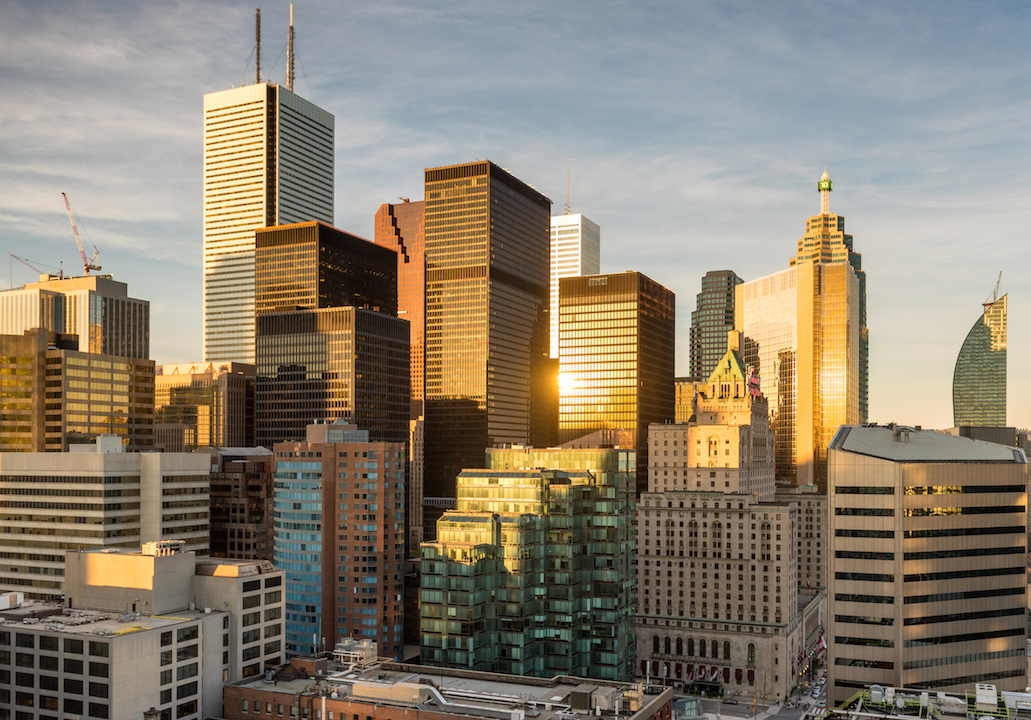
<point x="329" y="344"/>
<point x="487" y="244"/>
<point x="711" y="320"/>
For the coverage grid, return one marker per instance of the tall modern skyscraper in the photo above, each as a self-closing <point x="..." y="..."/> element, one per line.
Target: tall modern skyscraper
<point x="711" y="320"/>
<point x="979" y="381"/>
<point x="401" y="227"/>
<point x="268" y="160"/>
<point x="329" y="343"/>
<point x="927" y="583"/>
<point x="616" y="345"/>
<point x="575" y="250"/>
<point x="805" y="335"/>
<point x="487" y="268"/>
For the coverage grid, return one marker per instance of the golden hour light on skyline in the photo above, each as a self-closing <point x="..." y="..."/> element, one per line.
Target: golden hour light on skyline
<point x="696" y="151"/>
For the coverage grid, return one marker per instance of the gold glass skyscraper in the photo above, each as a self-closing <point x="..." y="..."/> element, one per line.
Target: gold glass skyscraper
<point x="616" y="344"/>
<point x="979" y="381"/>
<point x="487" y="269"/>
<point x="805" y="330"/>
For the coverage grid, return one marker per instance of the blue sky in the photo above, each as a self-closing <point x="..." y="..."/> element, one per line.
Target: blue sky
<point x="696" y="133"/>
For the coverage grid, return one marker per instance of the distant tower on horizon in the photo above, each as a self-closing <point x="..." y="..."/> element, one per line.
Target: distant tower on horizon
<point x="979" y="380"/>
<point x="711" y="320"/>
<point x="268" y="160"/>
<point x="806" y="336"/>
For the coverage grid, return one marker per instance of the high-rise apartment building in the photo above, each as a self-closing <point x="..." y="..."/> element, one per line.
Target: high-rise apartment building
<point x="401" y="227"/>
<point x="329" y="342"/>
<point x="805" y="335"/>
<point x="575" y="250"/>
<point x="96" y="309"/>
<point x="711" y="320"/>
<point x="616" y="345"/>
<point x="339" y="534"/>
<point x="487" y="269"/>
<point x="532" y="573"/>
<point x="203" y="405"/>
<point x="709" y="529"/>
<point x="268" y="160"/>
<point x="60" y="396"/>
<point x="979" y="380"/>
<point x="106" y="498"/>
<point x="927" y="581"/>
<point x="241" y="502"/>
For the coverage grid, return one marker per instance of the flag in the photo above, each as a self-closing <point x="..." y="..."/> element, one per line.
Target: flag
<point x="809" y="578"/>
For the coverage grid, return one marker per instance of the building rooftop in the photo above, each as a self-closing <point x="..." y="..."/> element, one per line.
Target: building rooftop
<point x="470" y="693"/>
<point x="93" y="623"/>
<point x="983" y="701"/>
<point x="913" y="445"/>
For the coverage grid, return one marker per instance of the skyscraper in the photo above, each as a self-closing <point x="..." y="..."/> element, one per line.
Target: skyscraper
<point x="805" y="335"/>
<point x="329" y="343"/>
<point x="979" y="381"/>
<point x="268" y="160"/>
<point x="575" y="250"/>
<point x="203" y="405"/>
<point x="616" y="345"/>
<point x="711" y="320"/>
<point x="487" y="252"/>
<point x="927" y="582"/>
<point x="401" y="227"/>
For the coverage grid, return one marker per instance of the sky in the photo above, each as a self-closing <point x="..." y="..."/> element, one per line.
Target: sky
<point x="695" y="131"/>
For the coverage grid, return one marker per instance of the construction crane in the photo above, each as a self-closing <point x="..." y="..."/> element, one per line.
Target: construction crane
<point x="995" y="293"/>
<point x="87" y="265"/>
<point x="23" y="261"/>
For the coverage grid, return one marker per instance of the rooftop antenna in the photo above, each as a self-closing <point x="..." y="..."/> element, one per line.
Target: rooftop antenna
<point x="290" y="53"/>
<point x="257" y="46"/>
<point x="567" y="184"/>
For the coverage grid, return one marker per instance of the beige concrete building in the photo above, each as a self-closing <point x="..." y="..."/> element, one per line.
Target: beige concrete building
<point x="720" y="608"/>
<point x="927" y="578"/>
<point x="100" y="497"/>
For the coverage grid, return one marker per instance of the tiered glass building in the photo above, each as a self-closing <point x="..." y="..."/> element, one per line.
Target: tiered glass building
<point x="711" y="320"/>
<point x="532" y="573"/>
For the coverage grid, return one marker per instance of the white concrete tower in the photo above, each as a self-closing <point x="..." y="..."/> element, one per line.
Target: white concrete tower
<point x="575" y="251"/>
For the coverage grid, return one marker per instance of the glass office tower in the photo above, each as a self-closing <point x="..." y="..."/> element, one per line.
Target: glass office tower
<point x="979" y="380"/>
<point x="711" y="320"/>
<point x="487" y="269"/>
<point x="806" y="337"/>
<point x="616" y="346"/>
<point x="268" y="160"/>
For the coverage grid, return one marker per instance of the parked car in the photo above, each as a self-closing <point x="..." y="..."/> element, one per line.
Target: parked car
<point x="729" y="701"/>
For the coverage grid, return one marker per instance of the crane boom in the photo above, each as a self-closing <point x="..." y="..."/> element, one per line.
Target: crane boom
<point x="87" y="265"/>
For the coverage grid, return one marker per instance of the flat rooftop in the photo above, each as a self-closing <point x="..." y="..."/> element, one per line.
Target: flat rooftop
<point x="94" y="623"/>
<point x="905" y="444"/>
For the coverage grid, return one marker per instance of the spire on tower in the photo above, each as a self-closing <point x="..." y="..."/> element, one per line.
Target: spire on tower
<point x="825" y="186"/>
<point x="290" y="53"/>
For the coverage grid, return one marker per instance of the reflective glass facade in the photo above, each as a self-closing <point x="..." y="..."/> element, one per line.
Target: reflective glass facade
<point x="487" y="269"/>
<point x="339" y="537"/>
<point x="979" y="380"/>
<point x="331" y="363"/>
<point x="802" y="333"/>
<point x="312" y="265"/>
<point x="533" y="572"/>
<point x="268" y="160"/>
<point x="401" y="228"/>
<point x="711" y="320"/>
<point x="215" y="403"/>
<point x="616" y="346"/>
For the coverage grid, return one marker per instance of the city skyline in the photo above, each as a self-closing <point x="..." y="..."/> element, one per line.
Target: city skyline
<point x="711" y="175"/>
